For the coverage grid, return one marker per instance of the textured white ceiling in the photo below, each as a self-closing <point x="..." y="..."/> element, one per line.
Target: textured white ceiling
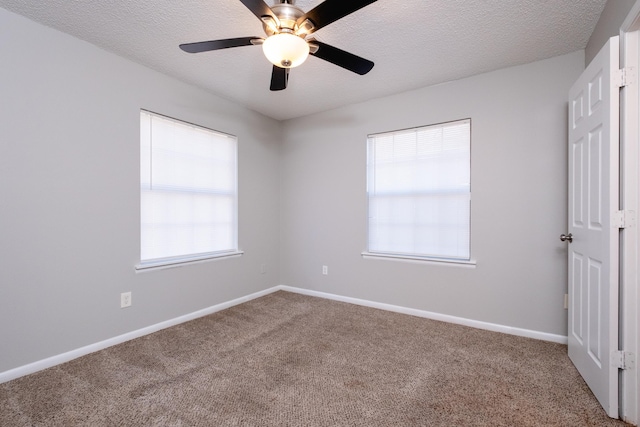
<point x="414" y="43"/>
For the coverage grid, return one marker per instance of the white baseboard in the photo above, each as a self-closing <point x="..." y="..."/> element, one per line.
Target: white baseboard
<point x="74" y="354"/>
<point x="544" y="336"/>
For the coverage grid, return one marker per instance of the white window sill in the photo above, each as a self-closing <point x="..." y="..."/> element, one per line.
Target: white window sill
<point x="160" y="264"/>
<point x="421" y="260"/>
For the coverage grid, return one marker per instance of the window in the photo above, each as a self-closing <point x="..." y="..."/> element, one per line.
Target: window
<point x="419" y="192"/>
<point x="188" y="192"/>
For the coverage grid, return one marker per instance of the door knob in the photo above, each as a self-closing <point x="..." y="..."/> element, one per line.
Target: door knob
<point x="566" y="237"/>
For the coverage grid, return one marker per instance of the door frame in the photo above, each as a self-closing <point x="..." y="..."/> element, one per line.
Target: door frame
<point x="629" y="337"/>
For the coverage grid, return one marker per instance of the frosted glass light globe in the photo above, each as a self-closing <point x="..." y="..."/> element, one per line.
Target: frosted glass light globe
<point x="285" y="50"/>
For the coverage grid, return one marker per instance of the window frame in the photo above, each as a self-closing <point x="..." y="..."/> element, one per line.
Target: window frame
<point x="417" y="257"/>
<point x="191" y="258"/>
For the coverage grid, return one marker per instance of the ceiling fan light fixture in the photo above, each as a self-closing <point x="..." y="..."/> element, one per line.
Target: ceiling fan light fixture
<point x="285" y="50"/>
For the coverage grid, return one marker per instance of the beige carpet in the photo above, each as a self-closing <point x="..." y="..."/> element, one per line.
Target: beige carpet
<point x="292" y="360"/>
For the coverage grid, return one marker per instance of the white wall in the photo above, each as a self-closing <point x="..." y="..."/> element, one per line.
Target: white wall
<point x="69" y="196"/>
<point x="519" y="198"/>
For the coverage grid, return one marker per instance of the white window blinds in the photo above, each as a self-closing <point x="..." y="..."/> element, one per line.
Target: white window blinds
<point x="188" y="189"/>
<point x="419" y="191"/>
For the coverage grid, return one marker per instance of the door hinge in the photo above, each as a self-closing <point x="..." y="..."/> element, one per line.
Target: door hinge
<point x="623" y="359"/>
<point x="623" y="219"/>
<point x="628" y="76"/>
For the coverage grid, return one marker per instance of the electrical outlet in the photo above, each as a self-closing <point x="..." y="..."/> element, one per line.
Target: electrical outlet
<point x="325" y="270"/>
<point x="263" y="268"/>
<point x="566" y="301"/>
<point x="125" y="299"/>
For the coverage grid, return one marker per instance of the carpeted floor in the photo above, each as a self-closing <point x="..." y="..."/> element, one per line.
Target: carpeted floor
<point x="292" y="360"/>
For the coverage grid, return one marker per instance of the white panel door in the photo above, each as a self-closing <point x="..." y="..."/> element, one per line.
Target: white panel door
<point x="593" y="201"/>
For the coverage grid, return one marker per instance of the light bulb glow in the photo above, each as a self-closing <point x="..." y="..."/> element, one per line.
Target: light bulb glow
<point x="285" y="50"/>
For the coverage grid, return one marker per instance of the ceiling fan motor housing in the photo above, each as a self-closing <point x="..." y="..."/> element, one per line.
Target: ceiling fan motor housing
<point x="288" y="15"/>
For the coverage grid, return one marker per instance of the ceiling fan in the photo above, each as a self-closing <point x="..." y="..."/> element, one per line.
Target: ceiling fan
<point x="288" y="44"/>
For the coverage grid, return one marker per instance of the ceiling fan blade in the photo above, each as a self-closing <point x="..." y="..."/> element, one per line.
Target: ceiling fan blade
<point x="342" y="58"/>
<point x="259" y="8"/>
<point x="331" y="10"/>
<point x="279" y="78"/>
<point x="217" y="44"/>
